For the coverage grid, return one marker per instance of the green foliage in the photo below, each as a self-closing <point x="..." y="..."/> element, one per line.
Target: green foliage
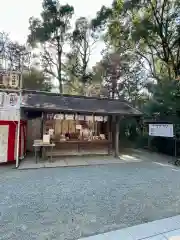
<point x="52" y="31"/>
<point x="146" y="35"/>
<point x="101" y="18"/>
<point x="165" y="101"/>
<point x="54" y="22"/>
<point x="36" y="80"/>
<point x="157" y="25"/>
<point x="151" y="28"/>
<point x="82" y="42"/>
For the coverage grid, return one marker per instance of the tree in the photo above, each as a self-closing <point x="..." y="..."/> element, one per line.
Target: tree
<point x="36" y="80"/>
<point x="74" y="84"/>
<point x="3" y="41"/>
<point x="52" y="32"/>
<point x="150" y="31"/>
<point x="121" y="77"/>
<point x="82" y="43"/>
<point x="113" y="66"/>
<point x="13" y="55"/>
<point x="153" y="29"/>
<point x="18" y="57"/>
<point x="128" y="78"/>
<point x="158" y="34"/>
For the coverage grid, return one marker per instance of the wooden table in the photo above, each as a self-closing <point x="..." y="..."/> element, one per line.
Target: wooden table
<point x="44" y="146"/>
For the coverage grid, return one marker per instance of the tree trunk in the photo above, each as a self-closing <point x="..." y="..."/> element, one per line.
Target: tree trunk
<point x="84" y="67"/>
<point x="59" y="74"/>
<point x="113" y="87"/>
<point x="59" y="66"/>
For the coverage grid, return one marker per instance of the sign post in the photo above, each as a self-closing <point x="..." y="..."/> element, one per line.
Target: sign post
<point x="162" y="130"/>
<point x="18" y="134"/>
<point x="19" y="121"/>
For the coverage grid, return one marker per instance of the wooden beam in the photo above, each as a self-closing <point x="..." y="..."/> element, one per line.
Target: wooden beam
<point x="117" y="136"/>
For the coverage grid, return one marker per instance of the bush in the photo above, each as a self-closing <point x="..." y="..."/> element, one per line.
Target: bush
<point x="164" y="145"/>
<point x="141" y="141"/>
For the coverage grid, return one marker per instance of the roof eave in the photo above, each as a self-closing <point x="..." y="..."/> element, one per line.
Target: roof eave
<point x="32" y="108"/>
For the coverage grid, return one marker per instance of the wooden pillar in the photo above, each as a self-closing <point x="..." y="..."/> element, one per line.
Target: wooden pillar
<point x="109" y="134"/>
<point x="117" y="136"/>
<point x="113" y="120"/>
<point x="42" y="131"/>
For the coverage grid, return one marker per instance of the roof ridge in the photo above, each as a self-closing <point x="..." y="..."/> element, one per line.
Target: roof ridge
<point x="72" y="96"/>
<point x="77" y="103"/>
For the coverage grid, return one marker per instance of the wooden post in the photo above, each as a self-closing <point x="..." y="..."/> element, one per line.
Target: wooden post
<point x="113" y="120"/>
<point x="117" y="137"/>
<point x="108" y="129"/>
<point x="42" y="131"/>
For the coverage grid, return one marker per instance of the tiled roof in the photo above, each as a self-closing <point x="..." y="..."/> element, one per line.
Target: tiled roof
<point x="64" y="103"/>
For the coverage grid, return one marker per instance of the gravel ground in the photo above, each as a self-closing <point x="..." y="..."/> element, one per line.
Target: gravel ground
<point x="68" y="203"/>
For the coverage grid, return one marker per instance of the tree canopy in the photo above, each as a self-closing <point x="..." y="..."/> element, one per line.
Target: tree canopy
<point x="140" y="61"/>
<point x="146" y="34"/>
<point x="35" y="79"/>
<point x="52" y="33"/>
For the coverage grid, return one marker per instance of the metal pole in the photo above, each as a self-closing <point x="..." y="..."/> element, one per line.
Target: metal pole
<point x="18" y="133"/>
<point x="19" y="122"/>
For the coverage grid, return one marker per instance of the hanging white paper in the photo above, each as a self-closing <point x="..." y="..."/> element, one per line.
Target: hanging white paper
<point x="80" y="117"/>
<point x="98" y="118"/>
<point x="69" y="117"/>
<point x="105" y="119"/>
<point x="51" y="131"/>
<point x="59" y="116"/>
<point x="89" y="118"/>
<point x="46" y="138"/>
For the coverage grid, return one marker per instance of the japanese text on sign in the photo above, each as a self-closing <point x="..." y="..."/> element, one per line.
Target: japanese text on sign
<point x="161" y="130"/>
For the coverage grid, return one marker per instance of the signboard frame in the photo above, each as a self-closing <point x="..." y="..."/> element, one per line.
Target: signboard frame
<point x="172" y="135"/>
<point x="161" y="130"/>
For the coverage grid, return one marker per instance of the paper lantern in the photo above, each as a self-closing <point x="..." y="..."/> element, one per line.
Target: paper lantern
<point x="89" y="118"/>
<point x="13" y="100"/>
<point x="69" y="117"/>
<point x="14" y="80"/>
<point x="98" y="118"/>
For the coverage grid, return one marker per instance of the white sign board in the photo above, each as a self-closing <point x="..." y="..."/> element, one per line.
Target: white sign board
<point x="161" y="130"/>
<point x="9" y="115"/>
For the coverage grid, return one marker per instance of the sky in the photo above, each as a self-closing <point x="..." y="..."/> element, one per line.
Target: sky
<point x="15" y="14"/>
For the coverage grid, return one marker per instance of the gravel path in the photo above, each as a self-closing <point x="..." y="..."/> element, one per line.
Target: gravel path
<point x="66" y="203"/>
